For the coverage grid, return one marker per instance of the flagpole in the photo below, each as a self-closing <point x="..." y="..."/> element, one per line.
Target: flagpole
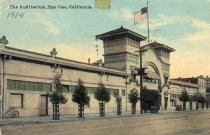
<point x="148" y="21"/>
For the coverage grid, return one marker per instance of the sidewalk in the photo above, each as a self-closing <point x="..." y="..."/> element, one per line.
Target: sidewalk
<point x="63" y="118"/>
<point x="69" y="118"/>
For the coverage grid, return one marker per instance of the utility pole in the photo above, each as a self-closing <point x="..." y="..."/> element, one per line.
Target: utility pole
<point x="141" y="73"/>
<point x="141" y="80"/>
<point x="148" y="38"/>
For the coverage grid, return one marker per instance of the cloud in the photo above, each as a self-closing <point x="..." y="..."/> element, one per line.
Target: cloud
<point x="191" y="57"/>
<point x="200" y="24"/>
<point x="44" y="20"/>
<point x="122" y="14"/>
<point x="160" y="21"/>
<point x="49" y="26"/>
<point x="163" y="20"/>
<point x="1" y="1"/>
<point x="192" y="50"/>
<point x="3" y="6"/>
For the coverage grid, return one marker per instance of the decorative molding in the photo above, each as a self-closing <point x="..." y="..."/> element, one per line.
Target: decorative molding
<point x="4" y="40"/>
<point x="114" y="42"/>
<point x="132" y="42"/>
<point x="122" y="58"/>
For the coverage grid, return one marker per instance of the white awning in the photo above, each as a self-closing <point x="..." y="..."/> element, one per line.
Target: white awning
<point x="152" y="75"/>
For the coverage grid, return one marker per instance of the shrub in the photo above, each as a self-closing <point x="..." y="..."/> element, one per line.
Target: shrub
<point x="102" y="94"/>
<point x="80" y="96"/>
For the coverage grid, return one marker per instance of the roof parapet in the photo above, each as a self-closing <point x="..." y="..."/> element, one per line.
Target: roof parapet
<point x="53" y="53"/>
<point x="3" y="41"/>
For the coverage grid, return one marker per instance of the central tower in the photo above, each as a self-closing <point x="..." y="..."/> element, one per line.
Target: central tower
<point x="121" y="48"/>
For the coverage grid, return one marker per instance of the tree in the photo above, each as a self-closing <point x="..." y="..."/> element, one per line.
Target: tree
<point x="194" y="98"/>
<point x="184" y="97"/>
<point x="200" y="99"/>
<point x="80" y="96"/>
<point x="102" y="94"/>
<point x="56" y="96"/>
<point x="133" y="98"/>
<point x="119" y="104"/>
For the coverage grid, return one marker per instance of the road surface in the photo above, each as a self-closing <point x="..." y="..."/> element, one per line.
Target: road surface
<point x="180" y="123"/>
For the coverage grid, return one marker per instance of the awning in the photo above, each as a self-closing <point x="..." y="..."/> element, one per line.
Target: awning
<point x="152" y="75"/>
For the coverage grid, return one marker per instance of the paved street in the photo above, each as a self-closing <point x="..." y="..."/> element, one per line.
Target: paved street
<point x="179" y="123"/>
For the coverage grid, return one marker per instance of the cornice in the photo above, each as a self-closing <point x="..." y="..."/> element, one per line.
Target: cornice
<point x="183" y="83"/>
<point x="33" y="56"/>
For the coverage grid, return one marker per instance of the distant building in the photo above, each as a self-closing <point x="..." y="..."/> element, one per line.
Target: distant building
<point x="176" y="87"/>
<point x="200" y="81"/>
<point x="207" y="84"/>
<point x="192" y="85"/>
<point x="208" y="89"/>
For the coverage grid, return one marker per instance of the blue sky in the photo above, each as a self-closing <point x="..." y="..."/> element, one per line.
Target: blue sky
<point x="183" y="25"/>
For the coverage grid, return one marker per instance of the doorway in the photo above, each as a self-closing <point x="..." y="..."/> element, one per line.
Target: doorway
<point x="44" y="105"/>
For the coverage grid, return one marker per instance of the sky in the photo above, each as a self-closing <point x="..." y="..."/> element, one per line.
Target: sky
<point x="182" y="25"/>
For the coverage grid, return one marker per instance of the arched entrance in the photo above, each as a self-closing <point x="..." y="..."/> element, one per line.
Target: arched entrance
<point x="153" y="75"/>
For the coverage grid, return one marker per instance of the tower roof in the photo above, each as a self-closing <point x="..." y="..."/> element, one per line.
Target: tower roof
<point x="157" y="45"/>
<point x="120" y="31"/>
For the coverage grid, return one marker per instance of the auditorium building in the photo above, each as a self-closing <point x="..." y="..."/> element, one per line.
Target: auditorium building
<point x="26" y="77"/>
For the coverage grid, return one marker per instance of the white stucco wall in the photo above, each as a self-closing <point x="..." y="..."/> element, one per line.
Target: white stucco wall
<point x="25" y="71"/>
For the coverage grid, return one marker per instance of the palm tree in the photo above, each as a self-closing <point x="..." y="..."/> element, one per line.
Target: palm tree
<point x="80" y="96"/>
<point x="119" y="104"/>
<point x="184" y="97"/>
<point x="56" y="96"/>
<point x="102" y="95"/>
<point x="133" y="98"/>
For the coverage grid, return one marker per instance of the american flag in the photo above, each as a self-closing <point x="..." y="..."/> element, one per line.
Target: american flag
<point x="140" y="15"/>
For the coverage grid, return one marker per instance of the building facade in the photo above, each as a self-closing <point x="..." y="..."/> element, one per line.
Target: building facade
<point x="193" y="86"/>
<point x="176" y="87"/>
<point x="208" y="89"/>
<point x="26" y="77"/>
<point x="200" y="81"/>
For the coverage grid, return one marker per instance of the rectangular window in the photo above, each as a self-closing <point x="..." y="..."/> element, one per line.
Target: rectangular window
<point x="39" y="87"/>
<point x="16" y="100"/>
<point x="123" y="92"/>
<point x="47" y="87"/>
<point x="71" y="89"/>
<point x="66" y="88"/>
<point x="21" y="85"/>
<point x="11" y="85"/>
<point x="91" y="90"/>
<point x="30" y="86"/>
<point x="114" y="92"/>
